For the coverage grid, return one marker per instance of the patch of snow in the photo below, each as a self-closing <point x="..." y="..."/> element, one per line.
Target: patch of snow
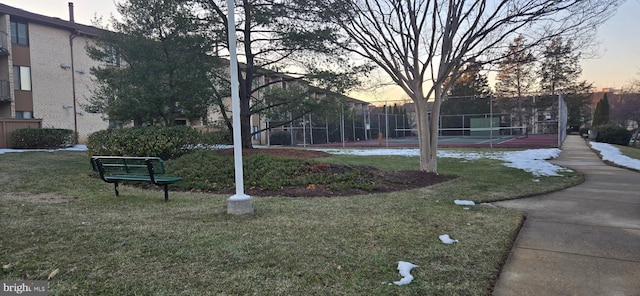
<point x="404" y="268"/>
<point x="530" y="160"/>
<point x="74" y="148"/>
<point x="464" y="202"/>
<point x="79" y="147"/>
<point x="445" y="238"/>
<point x="613" y="154"/>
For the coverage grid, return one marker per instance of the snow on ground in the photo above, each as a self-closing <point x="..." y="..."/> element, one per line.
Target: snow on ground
<point x="612" y="154"/>
<point x="531" y="160"/>
<point x="74" y="148"/>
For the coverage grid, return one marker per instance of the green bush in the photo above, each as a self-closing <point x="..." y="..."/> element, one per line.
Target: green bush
<point x="612" y="134"/>
<point x="43" y="138"/>
<point x="218" y="132"/>
<point x="583" y="131"/>
<point x="165" y="142"/>
<point x="219" y="137"/>
<point x="280" y="138"/>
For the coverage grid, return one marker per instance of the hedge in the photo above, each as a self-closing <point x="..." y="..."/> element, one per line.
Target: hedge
<point x="165" y="142"/>
<point x="43" y="138"/>
<point x="612" y="134"/>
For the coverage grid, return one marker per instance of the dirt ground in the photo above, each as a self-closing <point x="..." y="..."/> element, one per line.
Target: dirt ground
<point x="393" y="180"/>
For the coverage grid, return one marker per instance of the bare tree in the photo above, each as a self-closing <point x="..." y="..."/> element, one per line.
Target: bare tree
<point x="423" y="44"/>
<point x="625" y="107"/>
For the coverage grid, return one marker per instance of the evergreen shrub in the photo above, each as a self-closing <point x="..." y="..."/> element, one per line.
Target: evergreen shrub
<point x="43" y="138"/>
<point x="612" y="134"/>
<point x="159" y="141"/>
<point x="583" y="131"/>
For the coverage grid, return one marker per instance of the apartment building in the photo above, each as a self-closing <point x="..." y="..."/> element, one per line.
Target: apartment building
<point x="44" y="70"/>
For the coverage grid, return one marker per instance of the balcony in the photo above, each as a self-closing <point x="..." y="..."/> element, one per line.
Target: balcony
<point x="4" y="48"/>
<point x="5" y="91"/>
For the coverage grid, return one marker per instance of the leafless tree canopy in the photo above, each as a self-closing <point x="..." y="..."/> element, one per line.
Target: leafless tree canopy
<point x="421" y="43"/>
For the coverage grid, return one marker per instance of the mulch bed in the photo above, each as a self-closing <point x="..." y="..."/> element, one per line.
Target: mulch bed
<point x="385" y="181"/>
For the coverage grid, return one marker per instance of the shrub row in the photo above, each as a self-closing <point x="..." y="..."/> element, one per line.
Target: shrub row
<point x="612" y="134"/>
<point x="43" y="138"/>
<point x="165" y="142"/>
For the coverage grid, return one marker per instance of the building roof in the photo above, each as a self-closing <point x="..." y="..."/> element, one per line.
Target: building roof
<point x="35" y="18"/>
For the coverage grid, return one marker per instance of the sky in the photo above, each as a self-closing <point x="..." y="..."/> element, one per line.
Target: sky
<point x="617" y="65"/>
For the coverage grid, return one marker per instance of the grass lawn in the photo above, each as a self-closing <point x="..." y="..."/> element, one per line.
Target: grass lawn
<point x="630" y="151"/>
<point x="55" y="217"/>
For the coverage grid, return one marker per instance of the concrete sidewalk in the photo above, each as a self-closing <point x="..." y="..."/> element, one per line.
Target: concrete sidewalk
<point x="584" y="240"/>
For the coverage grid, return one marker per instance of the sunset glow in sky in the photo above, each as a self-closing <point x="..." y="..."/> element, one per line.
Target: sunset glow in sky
<point x="617" y="65"/>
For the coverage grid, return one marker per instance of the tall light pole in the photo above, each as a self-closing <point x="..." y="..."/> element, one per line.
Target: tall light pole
<point x="239" y="203"/>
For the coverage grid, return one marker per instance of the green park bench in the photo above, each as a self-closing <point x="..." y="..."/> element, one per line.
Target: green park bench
<point x="118" y="169"/>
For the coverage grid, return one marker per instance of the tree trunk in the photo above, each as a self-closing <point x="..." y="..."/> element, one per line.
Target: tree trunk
<point x="245" y="126"/>
<point x="427" y="163"/>
<point x="434" y="128"/>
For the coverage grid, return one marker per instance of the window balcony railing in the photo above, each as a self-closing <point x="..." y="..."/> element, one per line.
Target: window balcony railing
<point x="5" y="90"/>
<point x="4" y="48"/>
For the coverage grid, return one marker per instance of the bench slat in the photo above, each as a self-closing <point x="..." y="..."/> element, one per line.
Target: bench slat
<point x="163" y="180"/>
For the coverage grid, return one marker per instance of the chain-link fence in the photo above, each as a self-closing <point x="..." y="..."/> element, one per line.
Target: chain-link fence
<point x="507" y="118"/>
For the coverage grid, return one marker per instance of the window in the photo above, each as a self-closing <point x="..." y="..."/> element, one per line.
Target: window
<point x="21" y="78"/>
<point x="256" y="134"/>
<point x="19" y="33"/>
<point x="24" y="114"/>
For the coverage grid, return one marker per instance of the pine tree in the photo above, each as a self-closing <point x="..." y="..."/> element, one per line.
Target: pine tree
<point x="166" y="69"/>
<point x="560" y="67"/>
<point x="601" y="114"/>
<point x="471" y="83"/>
<point x="515" y="76"/>
<point x="559" y="71"/>
<point x="468" y="93"/>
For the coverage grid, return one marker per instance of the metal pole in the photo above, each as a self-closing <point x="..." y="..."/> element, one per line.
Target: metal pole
<point x="491" y="121"/>
<point x="239" y="203"/>
<point x="353" y="123"/>
<point x="364" y="122"/>
<point x="291" y="129"/>
<point x="326" y="128"/>
<point x="310" y="131"/>
<point x="386" y="124"/>
<point x="395" y="120"/>
<point x="342" y="126"/>
<point x="304" y="133"/>
<point x="560" y="131"/>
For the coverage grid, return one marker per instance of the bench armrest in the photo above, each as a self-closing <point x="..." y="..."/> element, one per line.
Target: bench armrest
<point x="149" y="163"/>
<point x="100" y="168"/>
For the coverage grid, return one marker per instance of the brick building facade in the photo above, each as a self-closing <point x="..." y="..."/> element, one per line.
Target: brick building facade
<point x="46" y="69"/>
